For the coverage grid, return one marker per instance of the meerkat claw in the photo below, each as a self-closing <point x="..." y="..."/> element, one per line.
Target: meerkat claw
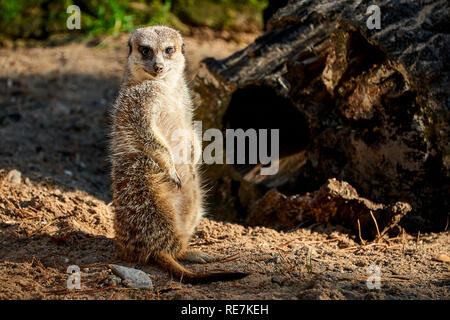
<point x="176" y="179"/>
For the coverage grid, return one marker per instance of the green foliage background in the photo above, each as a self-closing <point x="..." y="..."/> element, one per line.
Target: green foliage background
<point x="40" y="19"/>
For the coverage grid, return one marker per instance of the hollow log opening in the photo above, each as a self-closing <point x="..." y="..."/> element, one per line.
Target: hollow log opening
<point x="252" y="107"/>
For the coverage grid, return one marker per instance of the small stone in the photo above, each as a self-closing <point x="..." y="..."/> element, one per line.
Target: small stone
<point x="276" y="280"/>
<point x="443" y="257"/>
<point x="275" y="259"/>
<point x="132" y="277"/>
<point x="15" y="177"/>
<point x="68" y="172"/>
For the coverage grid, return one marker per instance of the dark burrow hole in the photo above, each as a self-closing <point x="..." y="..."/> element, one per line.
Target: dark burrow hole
<point x="260" y="107"/>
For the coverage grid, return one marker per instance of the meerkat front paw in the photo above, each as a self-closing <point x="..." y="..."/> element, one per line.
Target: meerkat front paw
<point x="197" y="257"/>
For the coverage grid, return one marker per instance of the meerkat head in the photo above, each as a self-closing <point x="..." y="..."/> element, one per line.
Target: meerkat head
<point x="155" y="53"/>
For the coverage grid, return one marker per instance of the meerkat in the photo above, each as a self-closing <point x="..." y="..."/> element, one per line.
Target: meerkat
<point x="158" y="202"/>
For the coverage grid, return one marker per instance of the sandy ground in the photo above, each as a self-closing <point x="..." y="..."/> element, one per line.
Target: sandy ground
<point x="53" y="125"/>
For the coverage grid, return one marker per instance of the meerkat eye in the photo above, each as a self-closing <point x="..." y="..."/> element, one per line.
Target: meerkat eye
<point x="170" y="50"/>
<point x="144" y="50"/>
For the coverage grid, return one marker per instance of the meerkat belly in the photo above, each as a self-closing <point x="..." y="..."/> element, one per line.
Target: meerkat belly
<point x="179" y="135"/>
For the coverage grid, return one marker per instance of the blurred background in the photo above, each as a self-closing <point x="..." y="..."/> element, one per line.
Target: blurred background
<point x="46" y="20"/>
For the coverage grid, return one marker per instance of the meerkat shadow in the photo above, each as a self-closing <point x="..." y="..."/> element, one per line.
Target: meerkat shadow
<point x="54" y="138"/>
<point x="54" y="130"/>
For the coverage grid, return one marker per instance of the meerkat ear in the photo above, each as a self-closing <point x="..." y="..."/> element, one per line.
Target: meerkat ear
<point x="183" y="48"/>
<point x="130" y="47"/>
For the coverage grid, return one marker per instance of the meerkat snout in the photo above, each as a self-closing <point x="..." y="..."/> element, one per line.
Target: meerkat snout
<point x="158" y="67"/>
<point x="154" y="57"/>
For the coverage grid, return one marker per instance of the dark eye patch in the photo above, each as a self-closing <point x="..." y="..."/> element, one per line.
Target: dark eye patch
<point x="145" y="51"/>
<point x="169" y="50"/>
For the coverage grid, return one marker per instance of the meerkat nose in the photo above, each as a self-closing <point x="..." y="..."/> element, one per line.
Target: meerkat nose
<point x="158" y="67"/>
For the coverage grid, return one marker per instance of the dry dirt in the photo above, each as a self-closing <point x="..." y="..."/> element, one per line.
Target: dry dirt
<point x="53" y="125"/>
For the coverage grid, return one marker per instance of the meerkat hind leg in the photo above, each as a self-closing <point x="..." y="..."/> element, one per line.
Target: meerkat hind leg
<point x="197" y="256"/>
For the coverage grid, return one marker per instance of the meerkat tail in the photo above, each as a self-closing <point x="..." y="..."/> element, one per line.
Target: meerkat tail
<point x="168" y="263"/>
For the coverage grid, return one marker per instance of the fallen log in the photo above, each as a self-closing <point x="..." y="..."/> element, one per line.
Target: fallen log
<point x="367" y="106"/>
